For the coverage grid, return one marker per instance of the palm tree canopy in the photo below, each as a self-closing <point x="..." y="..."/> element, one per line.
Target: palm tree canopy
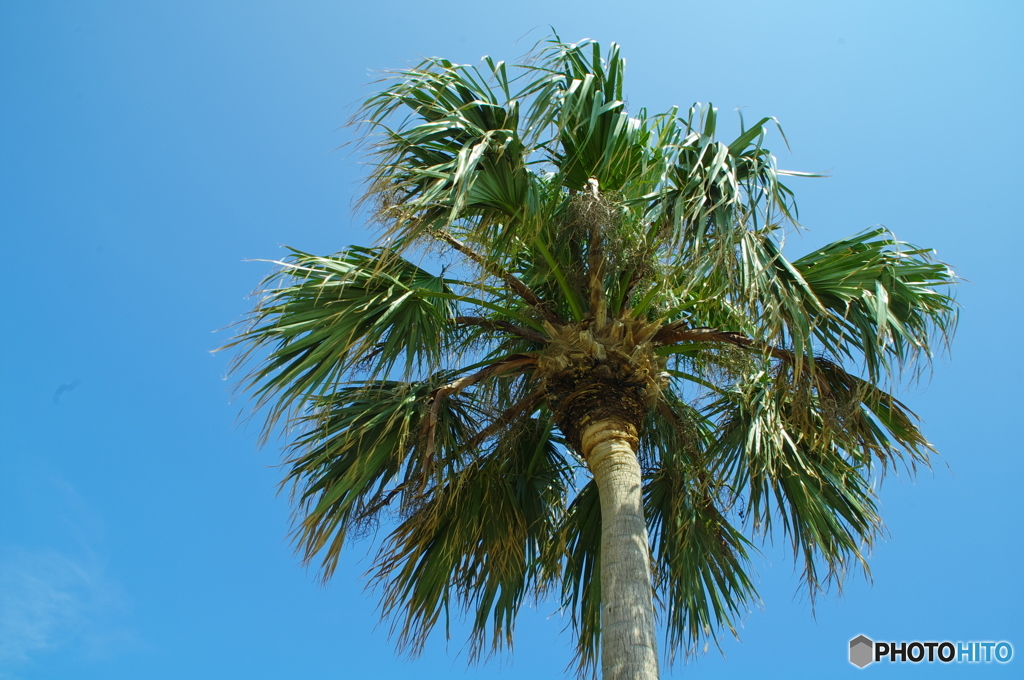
<point x="597" y="260"/>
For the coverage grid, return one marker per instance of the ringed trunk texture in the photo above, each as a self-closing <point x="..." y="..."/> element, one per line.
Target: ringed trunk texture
<point x="628" y="646"/>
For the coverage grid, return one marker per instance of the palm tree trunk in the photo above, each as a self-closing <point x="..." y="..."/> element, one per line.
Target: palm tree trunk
<point x="628" y="647"/>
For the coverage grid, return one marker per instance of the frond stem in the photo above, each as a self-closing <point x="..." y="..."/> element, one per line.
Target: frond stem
<point x="513" y="362"/>
<point x="673" y="333"/>
<point x="495" y="324"/>
<point x="517" y="286"/>
<point x="524" y="405"/>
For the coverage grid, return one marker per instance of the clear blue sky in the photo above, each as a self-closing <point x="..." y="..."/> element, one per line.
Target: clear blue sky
<point x="148" y="149"/>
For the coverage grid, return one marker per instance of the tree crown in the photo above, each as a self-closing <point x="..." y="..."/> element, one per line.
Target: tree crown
<point x="593" y="251"/>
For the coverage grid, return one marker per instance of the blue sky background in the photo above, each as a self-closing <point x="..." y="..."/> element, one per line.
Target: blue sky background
<point x="148" y="149"/>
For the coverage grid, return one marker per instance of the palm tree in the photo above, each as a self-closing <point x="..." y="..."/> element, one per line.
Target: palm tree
<point x="615" y="385"/>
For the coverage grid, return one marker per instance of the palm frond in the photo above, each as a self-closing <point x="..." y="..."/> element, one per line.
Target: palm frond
<point x="322" y="318"/>
<point x="458" y="156"/>
<point x="363" y="453"/>
<point x="580" y="533"/>
<point x="480" y="543"/>
<point x="889" y="302"/>
<point x="815" y="481"/>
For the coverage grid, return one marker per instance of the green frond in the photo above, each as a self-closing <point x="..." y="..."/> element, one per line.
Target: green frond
<point x="889" y="302"/>
<point x="870" y="300"/>
<point x="481" y="543"/>
<point x="458" y="154"/>
<point x="322" y="318"/>
<point x="816" y="483"/>
<point x="775" y="294"/>
<point x="713" y="192"/>
<point x="580" y="533"/>
<point x="701" y="561"/>
<point x="597" y="138"/>
<point x="362" y="454"/>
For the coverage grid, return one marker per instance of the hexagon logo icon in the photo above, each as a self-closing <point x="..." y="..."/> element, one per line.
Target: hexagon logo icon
<point x="861" y="651"/>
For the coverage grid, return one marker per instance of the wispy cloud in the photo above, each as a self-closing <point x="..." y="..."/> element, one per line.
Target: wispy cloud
<point x="50" y="602"/>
